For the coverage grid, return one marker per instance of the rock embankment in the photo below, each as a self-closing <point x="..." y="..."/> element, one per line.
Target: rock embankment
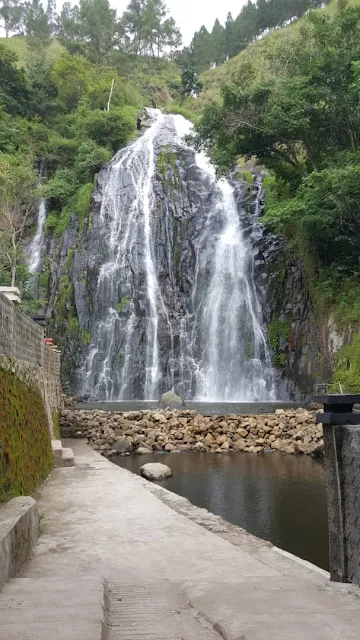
<point x="288" y="431"/>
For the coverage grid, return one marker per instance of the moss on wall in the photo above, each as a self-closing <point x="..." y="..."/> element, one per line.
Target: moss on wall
<point x="25" y="447"/>
<point x="347" y="371"/>
<point x="278" y="331"/>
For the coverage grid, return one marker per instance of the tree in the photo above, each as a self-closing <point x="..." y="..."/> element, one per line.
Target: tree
<point x="171" y="36"/>
<point x="14" y="93"/>
<point x="52" y="16"/>
<point x="190" y="81"/>
<point x="12" y="16"/>
<point x="217" y="39"/>
<point x="91" y="28"/>
<point x="18" y="199"/>
<point x="201" y="48"/>
<point x="148" y="30"/>
<point x="38" y="29"/>
<point x="133" y="24"/>
<point x="229" y="47"/>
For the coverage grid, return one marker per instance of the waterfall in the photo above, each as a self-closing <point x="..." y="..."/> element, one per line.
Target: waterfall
<point x="36" y="246"/>
<point x="175" y="303"/>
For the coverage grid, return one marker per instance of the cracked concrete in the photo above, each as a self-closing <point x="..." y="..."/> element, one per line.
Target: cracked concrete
<point x="170" y="570"/>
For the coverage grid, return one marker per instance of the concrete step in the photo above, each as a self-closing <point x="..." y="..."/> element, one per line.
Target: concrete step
<point x="51" y="609"/>
<point x="63" y="456"/>
<point x="56" y="448"/>
<point x="67" y="458"/>
<point x="155" y="611"/>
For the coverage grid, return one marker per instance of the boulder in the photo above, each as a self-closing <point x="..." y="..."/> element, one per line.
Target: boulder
<point x="143" y="451"/>
<point x="172" y="400"/>
<point x="121" y="446"/>
<point x="155" y="471"/>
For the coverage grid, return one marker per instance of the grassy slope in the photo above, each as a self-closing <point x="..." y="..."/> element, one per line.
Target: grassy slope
<point x="17" y="44"/>
<point x="231" y="71"/>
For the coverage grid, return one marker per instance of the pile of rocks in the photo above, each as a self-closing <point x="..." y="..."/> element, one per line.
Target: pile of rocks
<point x="288" y="431"/>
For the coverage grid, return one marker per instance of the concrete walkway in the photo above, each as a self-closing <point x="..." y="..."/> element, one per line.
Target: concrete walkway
<point x="119" y="560"/>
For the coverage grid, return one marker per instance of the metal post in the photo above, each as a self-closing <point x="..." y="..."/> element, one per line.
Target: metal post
<point x="337" y="418"/>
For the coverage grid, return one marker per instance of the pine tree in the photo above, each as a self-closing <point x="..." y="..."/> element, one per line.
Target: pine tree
<point x="217" y="40"/>
<point x="38" y="29"/>
<point x="229" y="36"/>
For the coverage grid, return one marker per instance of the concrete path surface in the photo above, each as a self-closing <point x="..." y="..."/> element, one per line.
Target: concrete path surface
<point x="123" y="559"/>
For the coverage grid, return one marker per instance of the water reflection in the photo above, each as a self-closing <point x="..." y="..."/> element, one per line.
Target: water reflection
<point x="275" y="497"/>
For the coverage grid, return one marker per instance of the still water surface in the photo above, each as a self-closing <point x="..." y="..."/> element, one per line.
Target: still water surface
<point x="275" y="497"/>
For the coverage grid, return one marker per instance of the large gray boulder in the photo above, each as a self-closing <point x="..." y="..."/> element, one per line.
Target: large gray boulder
<point x="155" y="471"/>
<point x="172" y="400"/>
<point x="122" y="446"/>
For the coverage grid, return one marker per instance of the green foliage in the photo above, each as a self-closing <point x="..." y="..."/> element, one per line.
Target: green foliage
<point x="83" y="201"/>
<point x="147" y="30"/>
<point x="247" y="176"/>
<point x="122" y="304"/>
<point x="38" y="28"/>
<point x="90" y="28"/>
<point x="190" y="82"/>
<point x="73" y="324"/>
<point x="14" y="92"/>
<point x="89" y="160"/>
<point x="278" y="333"/>
<point x="338" y="294"/>
<point x="60" y="187"/>
<point x="347" y="371"/>
<point x="112" y="128"/>
<point x="85" y="337"/>
<point x="25" y="448"/>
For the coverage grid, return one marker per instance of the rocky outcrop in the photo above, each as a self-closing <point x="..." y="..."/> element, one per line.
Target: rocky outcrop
<point x="286" y="431"/>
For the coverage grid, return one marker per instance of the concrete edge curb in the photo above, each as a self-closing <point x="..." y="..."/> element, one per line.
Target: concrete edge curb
<point x="19" y="532"/>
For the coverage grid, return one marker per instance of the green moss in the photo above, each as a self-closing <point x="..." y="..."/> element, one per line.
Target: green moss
<point x="66" y="295"/>
<point x="44" y="277"/>
<point x="25" y="446"/>
<point x="51" y="221"/>
<point x="347" y="371"/>
<point x="85" y="337"/>
<point x="56" y="427"/>
<point x="73" y="324"/>
<point x="58" y="221"/>
<point x="278" y="330"/>
<point x="247" y="176"/>
<point x="122" y="304"/>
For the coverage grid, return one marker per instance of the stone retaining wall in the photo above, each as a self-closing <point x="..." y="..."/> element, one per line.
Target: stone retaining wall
<point x="288" y="431"/>
<point x="24" y="353"/>
<point x="19" y="529"/>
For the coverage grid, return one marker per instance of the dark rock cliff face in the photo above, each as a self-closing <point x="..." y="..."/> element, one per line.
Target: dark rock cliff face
<point x="106" y="298"/>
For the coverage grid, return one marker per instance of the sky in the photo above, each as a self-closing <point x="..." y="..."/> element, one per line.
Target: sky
<point x="190" y="15"/>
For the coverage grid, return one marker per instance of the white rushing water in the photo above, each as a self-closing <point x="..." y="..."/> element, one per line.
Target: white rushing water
<point x="222" y="354"/>
<point x="128" y="214"/>
<point x="36" y="246"/>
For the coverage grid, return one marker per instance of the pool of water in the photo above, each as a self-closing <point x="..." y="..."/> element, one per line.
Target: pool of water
<point x="205" y="408"/>
<point x="275" y="497"/>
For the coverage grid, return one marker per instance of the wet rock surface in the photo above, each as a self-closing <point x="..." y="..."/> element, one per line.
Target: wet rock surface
<point x="155" y="471"/>
<point x="288" y="431"/>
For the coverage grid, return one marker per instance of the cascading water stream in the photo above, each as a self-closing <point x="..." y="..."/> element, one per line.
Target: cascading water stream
<point x="37" y="244"/>
<point x="154" y="325"/>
